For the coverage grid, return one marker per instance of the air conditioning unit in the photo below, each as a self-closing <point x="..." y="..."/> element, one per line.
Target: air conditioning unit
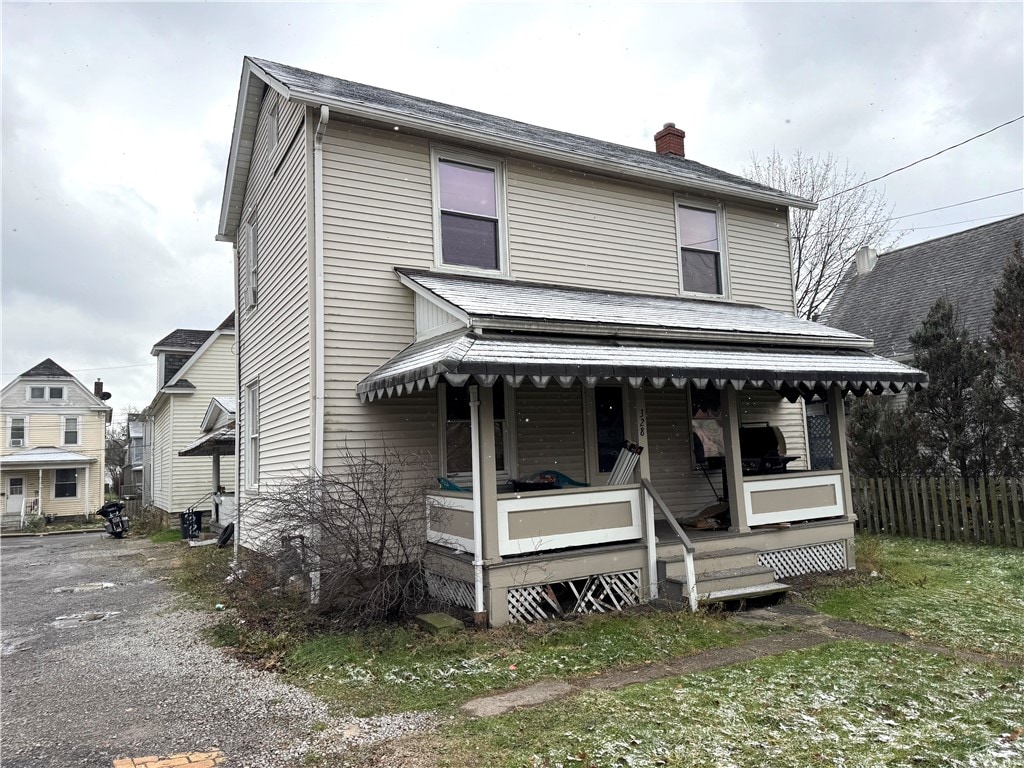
<point x="16" y="442"/>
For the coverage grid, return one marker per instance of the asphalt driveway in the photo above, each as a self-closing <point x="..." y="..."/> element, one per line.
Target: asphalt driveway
<point x="99" y="665"/>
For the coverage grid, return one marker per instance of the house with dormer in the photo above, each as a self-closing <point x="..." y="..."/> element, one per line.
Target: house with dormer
<point x="193" y="367"/>
<point x="52" y="457"/>
<point x="594" y="347"/>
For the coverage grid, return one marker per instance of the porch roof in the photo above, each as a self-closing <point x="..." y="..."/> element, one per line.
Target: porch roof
<point x="221" y="441"/>
<point x="45" y="456"/>
<point x="794" y="372"/>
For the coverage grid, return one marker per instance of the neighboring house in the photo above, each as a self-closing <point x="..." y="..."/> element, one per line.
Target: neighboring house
<point x="217" y="439"/>
<point x="885" y="297"/>
<point x="193" y="366"/>
<point x="54" y="444"/>
<point x="507" y="300"/>
<point x="133" y="473"/>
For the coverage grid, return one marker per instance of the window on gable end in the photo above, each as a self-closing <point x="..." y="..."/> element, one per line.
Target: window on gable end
<point x="701" y="252"/>
<point x="37" y="393"/>
<point x="469" y="206"/>
<point x="253" y="260"/>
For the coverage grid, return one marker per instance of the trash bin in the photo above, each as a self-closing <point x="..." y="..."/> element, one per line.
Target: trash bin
<point x="191" y="521"/>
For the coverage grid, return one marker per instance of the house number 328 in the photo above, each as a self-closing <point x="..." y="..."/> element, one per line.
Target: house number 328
<point x="643" y="422"/>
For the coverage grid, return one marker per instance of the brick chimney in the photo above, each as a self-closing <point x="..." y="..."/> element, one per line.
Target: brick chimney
<point x="97" y="389"/>
<point x="669" y="141"/>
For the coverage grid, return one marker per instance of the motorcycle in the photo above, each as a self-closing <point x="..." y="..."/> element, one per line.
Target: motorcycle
<point x="115" y="522"/>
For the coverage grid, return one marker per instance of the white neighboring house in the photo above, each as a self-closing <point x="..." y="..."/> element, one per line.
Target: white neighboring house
<point x="193" y="366"/>
<point x="217" y="440"/>
<point x="52" y="453"/>
<point x="133" y="473"/>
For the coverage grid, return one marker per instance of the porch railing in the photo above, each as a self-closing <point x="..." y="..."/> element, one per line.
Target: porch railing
<point x="654" y="498"/>
<point x="793" y="496"/>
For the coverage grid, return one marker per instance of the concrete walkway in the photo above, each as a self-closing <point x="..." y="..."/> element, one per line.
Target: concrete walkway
<point x="810" y="629"/>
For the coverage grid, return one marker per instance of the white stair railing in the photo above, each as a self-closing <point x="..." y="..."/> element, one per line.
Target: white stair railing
<point x="688" y="548"/>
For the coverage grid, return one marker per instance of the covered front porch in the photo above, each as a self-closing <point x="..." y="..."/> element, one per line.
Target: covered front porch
<point x="48" y="483"/>
<point x="589" y="462"/>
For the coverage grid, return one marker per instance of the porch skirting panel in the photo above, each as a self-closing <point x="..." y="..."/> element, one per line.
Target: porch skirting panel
<point x="448" y="590"/>
<point x="594" y="594"/>
<point x="814" y="558"/>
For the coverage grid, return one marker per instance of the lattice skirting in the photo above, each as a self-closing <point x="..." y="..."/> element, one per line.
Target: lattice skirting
<point x="830" y="556"/>
<point x="590" y="594"/>
<point x="450" y="591"/>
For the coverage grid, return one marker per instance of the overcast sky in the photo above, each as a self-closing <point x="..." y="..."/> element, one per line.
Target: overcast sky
<point x="117" y="120"/>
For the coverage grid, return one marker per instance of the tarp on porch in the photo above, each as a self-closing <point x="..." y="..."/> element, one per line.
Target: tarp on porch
<point x="800" y="371"/>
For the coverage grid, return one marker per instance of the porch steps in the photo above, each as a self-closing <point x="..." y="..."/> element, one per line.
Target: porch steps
<point x="724" y="575"/>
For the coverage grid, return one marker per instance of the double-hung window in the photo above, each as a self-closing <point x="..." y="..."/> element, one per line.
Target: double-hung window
<point x="253" y="260"/>
<point x="70" y="430"/>
<point x="458" y="437"/>
<point x="701" y="252"/>
<point x="37" y="393"/>
<point x="469" y="211"/>
<point x="16" y="427"/>
<point x="252" y="442"/>
<point x="65" y="483"/>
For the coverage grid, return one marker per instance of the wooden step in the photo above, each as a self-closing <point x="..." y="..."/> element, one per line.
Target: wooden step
<point x="732" y="578"/>
<point x="742" y="594"/>
<point x="708" y="562"/>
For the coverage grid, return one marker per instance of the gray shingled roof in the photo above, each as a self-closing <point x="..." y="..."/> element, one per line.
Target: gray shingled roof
<point x="183" y="338"/>
<point x="511" y="303"/>
<point x="46" y="370"/>
<point x="350" y="99"/>
<point x="515" y="356"/>
<point x="228" y="324"/>
<point x="889" y="303"/>
<point x="311" y="84"/>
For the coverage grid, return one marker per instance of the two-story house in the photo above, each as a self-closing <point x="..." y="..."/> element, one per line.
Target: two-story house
<point x="513" y="304"/>
<point x="54" y="443"/>
<point x="193" y="367"/>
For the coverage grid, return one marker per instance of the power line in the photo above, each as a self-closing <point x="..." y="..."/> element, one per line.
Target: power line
<point x="916" y="162"/>
<point x="954" y="205"/>
<point x="964" y="221"/>
<point x="104" y="368"/>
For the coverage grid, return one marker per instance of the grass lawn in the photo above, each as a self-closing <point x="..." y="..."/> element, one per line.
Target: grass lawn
<point x="844" y="704"/>
<point x="957" y="595"/>
<point x="403" y="668"/>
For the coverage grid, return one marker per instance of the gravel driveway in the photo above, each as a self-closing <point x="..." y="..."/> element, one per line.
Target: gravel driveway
<point x="99" y="664"/>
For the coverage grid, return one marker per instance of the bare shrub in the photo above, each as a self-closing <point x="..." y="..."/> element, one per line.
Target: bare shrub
<point x="354" y="537"/>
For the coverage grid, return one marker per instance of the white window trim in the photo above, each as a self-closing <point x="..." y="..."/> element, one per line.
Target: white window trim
<point x="63" y="393"/>
<point x="252" y="244"/>
<point x="64" y="430"/>
<point x="53" y="485"/>
<point x="274" y="126"/>
<point x="511" y="460"/>
<point x="723" y="247"/>
<point x="252" y="439"/>
<point x="24" y="441"/>
<point x="439" y="153"/>
<point x="28" y="393"/>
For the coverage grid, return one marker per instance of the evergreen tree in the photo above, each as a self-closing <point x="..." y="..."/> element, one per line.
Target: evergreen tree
<point x="1008" y="335"/>
<point x="884" y="439"/>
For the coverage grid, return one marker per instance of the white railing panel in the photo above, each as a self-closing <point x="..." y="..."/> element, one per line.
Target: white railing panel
<point x="440" y="506"/>
<point x="793" y="496"/>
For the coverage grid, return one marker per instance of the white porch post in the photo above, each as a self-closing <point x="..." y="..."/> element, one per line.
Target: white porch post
<point x="840" y="456"/>
<point x="738" y="521"/>
<point x="85" y="512"/>
<point x="485" y="483"/>
<point x="39" y="493"/>
<point x="640" y="408"/>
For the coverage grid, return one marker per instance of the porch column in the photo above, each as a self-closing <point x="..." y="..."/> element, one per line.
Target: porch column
<point x="85" y="512"/>
<point x="840" y="457"/>
<point x="485" y="491"/>
<point x="642" y="428"/>
<point x="39" y="493"/>
<point x="640" y="410"/>
<point x="733" y="461"/>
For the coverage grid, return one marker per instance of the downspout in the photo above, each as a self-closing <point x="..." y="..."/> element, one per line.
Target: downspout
<point x="238" y="409"/>
<point x="317" y="426"/>
<point x="478" y="507"/>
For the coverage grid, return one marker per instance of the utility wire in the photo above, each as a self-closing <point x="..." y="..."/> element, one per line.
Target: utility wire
<point x="104" y="368"/>
<point x="910" y="165"/>
<point x="964" y="221"/>
<point x="954" y="205"/>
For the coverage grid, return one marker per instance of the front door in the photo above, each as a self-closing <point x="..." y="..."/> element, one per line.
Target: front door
<point x="15" y="495"/>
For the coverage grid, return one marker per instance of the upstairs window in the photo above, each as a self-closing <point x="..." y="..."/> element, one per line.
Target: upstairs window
<point x="56" y="393"/>
<point x="16" y="437"/>
<point x="253" y="243"/>
<point x="45" y="393"/>
<point x="469" y="210"/>
<point x="37" y="393"/>
<point x="70" y="431"/>
<point x="702" y="266"/>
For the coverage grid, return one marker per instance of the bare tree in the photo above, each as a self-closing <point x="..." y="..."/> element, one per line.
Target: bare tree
<point x="116" y="454"/>
<point x="824" y="241"/>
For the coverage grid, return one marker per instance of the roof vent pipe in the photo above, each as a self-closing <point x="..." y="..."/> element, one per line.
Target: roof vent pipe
<point x="866" y="260"/>
<point x="669" y="141"/>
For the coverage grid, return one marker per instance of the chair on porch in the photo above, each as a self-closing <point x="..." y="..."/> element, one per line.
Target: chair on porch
<point x="562" y="480"/>
<point x="626" y="463"/>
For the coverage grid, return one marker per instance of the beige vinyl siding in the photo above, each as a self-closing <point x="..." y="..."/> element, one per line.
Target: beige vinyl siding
<point x="275" y="336"/>
<point x="213" y="374"/>
<point x="759" y="262"/>
<point x="549" y="430"/>
<point x="377" y="216"/>
<point x="684" y="488"/>
<point x="581" y="230"/>
<point x="789" y="417"/>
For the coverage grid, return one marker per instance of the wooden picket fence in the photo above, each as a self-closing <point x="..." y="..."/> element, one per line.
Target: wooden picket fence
<point x="986" y="510"/>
